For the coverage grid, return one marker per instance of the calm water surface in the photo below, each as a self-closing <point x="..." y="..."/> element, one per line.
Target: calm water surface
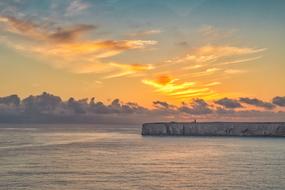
<point x="89" y="157"/>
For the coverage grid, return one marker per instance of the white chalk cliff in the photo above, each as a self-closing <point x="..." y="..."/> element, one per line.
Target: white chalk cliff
<point x="214" y="129"/>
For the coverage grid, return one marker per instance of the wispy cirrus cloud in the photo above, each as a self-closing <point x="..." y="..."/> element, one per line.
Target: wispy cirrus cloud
<point x="210" y="53"/>
<point x="38" y="32"/>
<point x="239" y="61"/>
<point x="174" y="87"/>
<point x="75" y="7"/>
<point x="145" y="33"/>
<point x="66" y="48"/>
<point x="234" y="71"/>
<point x="128" y="69"/>
<point x="167" y="84"/>
<point x="210" y="63"/>
<point x="69" y="34"/>
<point x="214" y="33"/>
<point x="211" y="70"/>
<point x="213" y="84"/>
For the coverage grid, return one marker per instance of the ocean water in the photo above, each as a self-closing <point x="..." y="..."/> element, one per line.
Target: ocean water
<point x="91" y="157"/>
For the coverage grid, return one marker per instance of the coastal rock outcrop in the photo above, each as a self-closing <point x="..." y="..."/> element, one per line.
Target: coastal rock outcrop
<point x="271" y="129"/>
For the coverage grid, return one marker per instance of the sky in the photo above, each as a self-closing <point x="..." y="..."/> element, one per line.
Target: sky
<point x="145" y="52"/>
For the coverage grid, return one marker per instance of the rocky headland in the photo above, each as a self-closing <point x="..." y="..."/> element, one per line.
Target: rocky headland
<point x="262" y="129"/>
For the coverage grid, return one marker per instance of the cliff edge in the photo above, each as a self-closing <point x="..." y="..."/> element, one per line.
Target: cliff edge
<point x="214" y="129"/>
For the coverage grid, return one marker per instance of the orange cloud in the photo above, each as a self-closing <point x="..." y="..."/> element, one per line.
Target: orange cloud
<point x="195" y="66"/>
<point x="211" y="70"/>
<point x="213" y="84"/>
<point x="240" y="61"/>
<point x="124" y="69"/>
<point x="85" y="57"/>
<point x="163" y="79"/>
<point x="69" y="34"/>
<point x="164" y="83"/>
<point x="65" y="50"/>
<point x="190" y="91"/>
<point x="26" y="28"/>
<point x="234" y="71"/>
<point x="91" y="49"/>
<point x="210" y="61"/>
<point x="173" y="87"/>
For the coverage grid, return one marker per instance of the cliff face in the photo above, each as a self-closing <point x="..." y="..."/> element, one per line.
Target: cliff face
<point x="214" y="129"/>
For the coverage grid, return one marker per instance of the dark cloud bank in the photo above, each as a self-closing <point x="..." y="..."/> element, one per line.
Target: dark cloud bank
<point x="47" y="108"/>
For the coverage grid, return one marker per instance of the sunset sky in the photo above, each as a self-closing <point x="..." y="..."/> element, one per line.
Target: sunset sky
<point x="143" y="51"/>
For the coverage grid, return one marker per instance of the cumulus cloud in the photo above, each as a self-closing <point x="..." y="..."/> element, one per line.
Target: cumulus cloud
<point x="162" y="105"/>
<point x="41" y="104"/>
<point x="48" y="108"/>
<point x="229" y="103"/>
<point x="279" y="101"/>
<point x="197" y="107"/>
<point x="256" y="102"/>
<point x="10" y="100"/>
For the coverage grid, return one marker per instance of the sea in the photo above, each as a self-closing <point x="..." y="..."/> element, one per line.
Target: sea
<point x="114" y="157"/>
